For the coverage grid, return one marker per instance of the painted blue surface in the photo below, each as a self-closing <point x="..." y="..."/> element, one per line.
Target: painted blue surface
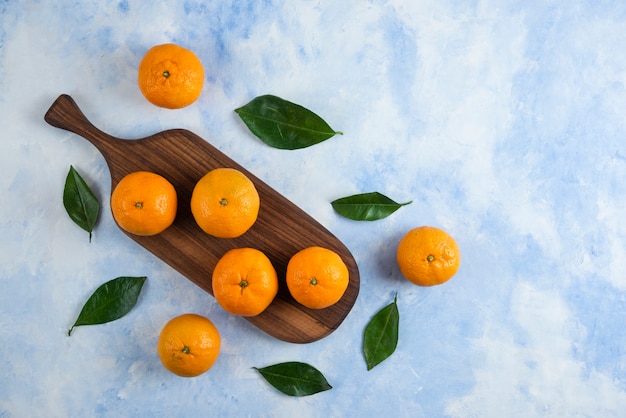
<point x="503" y="121"/>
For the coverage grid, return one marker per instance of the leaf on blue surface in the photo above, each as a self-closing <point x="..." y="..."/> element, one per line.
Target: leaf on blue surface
<point x="380" y="338"/>
<point x="111" y="301"/>
<point x="80" y="203"/>
<point x="294" y="378"/>
<point x="366" y="206"/>
<point x="282" y="124"/>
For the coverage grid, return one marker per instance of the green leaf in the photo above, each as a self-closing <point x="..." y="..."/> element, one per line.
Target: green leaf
<point x="111" y="301"/>
<point x="295" y="378"/>
<point x="80" y="203"/>
<point x="381" y="335"/>
<point x="282" y="124"/>
<point x="366" y="206"/>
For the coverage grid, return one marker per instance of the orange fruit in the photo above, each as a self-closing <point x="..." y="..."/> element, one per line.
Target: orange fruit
<point x="225" y="203"/>
<point x="188" y="345"/>
<point x="144" y="203"/>
<point x="170" y="76"/>
<point x="244" y="282"/>
<point x="428" y="256"/>
<point x="317" y="277"/>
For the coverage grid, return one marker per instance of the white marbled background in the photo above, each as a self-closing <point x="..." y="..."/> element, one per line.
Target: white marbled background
<point x="504" y="122"/>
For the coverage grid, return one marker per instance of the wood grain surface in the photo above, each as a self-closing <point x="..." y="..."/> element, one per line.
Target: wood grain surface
<point x="281" y="230"/>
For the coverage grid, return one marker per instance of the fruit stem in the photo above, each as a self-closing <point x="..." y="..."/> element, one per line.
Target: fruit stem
<point x="430" y="258"/>
<point x="139" y="205"/>
<point x="243" y="283"/>
<point x="223" y="202"/>
<point x="166" y="74"/>
<point x="186" y="350"/>
<point x="312" y="281"/>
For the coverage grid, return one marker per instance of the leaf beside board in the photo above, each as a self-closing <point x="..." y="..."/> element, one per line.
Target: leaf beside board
<point x="295" y="378"/>
<point x="380" y="338"/>
<point x="366" y="206"/>
<point x="80" y="203"/>
<point x="111" y="301"/>
<point x="283" y="124"/>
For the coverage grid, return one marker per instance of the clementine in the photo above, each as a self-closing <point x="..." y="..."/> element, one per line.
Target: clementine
<point x="225" y="203"/>
<point x="244" y="282"/>
<point x="170" y="76"/>
<point x="144" y="203"/>
<point x="189" y="345"/>
<point x="317" y="277"/>
<point x="428" y="256"/>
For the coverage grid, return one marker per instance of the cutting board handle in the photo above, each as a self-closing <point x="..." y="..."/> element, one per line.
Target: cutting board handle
<point x="65" y="114"/>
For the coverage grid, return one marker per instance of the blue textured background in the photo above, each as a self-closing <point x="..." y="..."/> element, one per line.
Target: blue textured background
<point x="504" y="122"/>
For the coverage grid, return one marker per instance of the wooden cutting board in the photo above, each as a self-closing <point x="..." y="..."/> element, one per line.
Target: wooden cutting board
<point x="281" y="230"/>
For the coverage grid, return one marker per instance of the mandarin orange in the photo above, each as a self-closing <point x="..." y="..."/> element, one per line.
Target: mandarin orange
<point x="428" y="256"/>
<point x="225" y="203"/>
<point x="244" y="282"/>
<point x="170" y="76"/>
<point x="189" y="345"/>
<point x="144" y="203"/>
<point x="317" y="277"/>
